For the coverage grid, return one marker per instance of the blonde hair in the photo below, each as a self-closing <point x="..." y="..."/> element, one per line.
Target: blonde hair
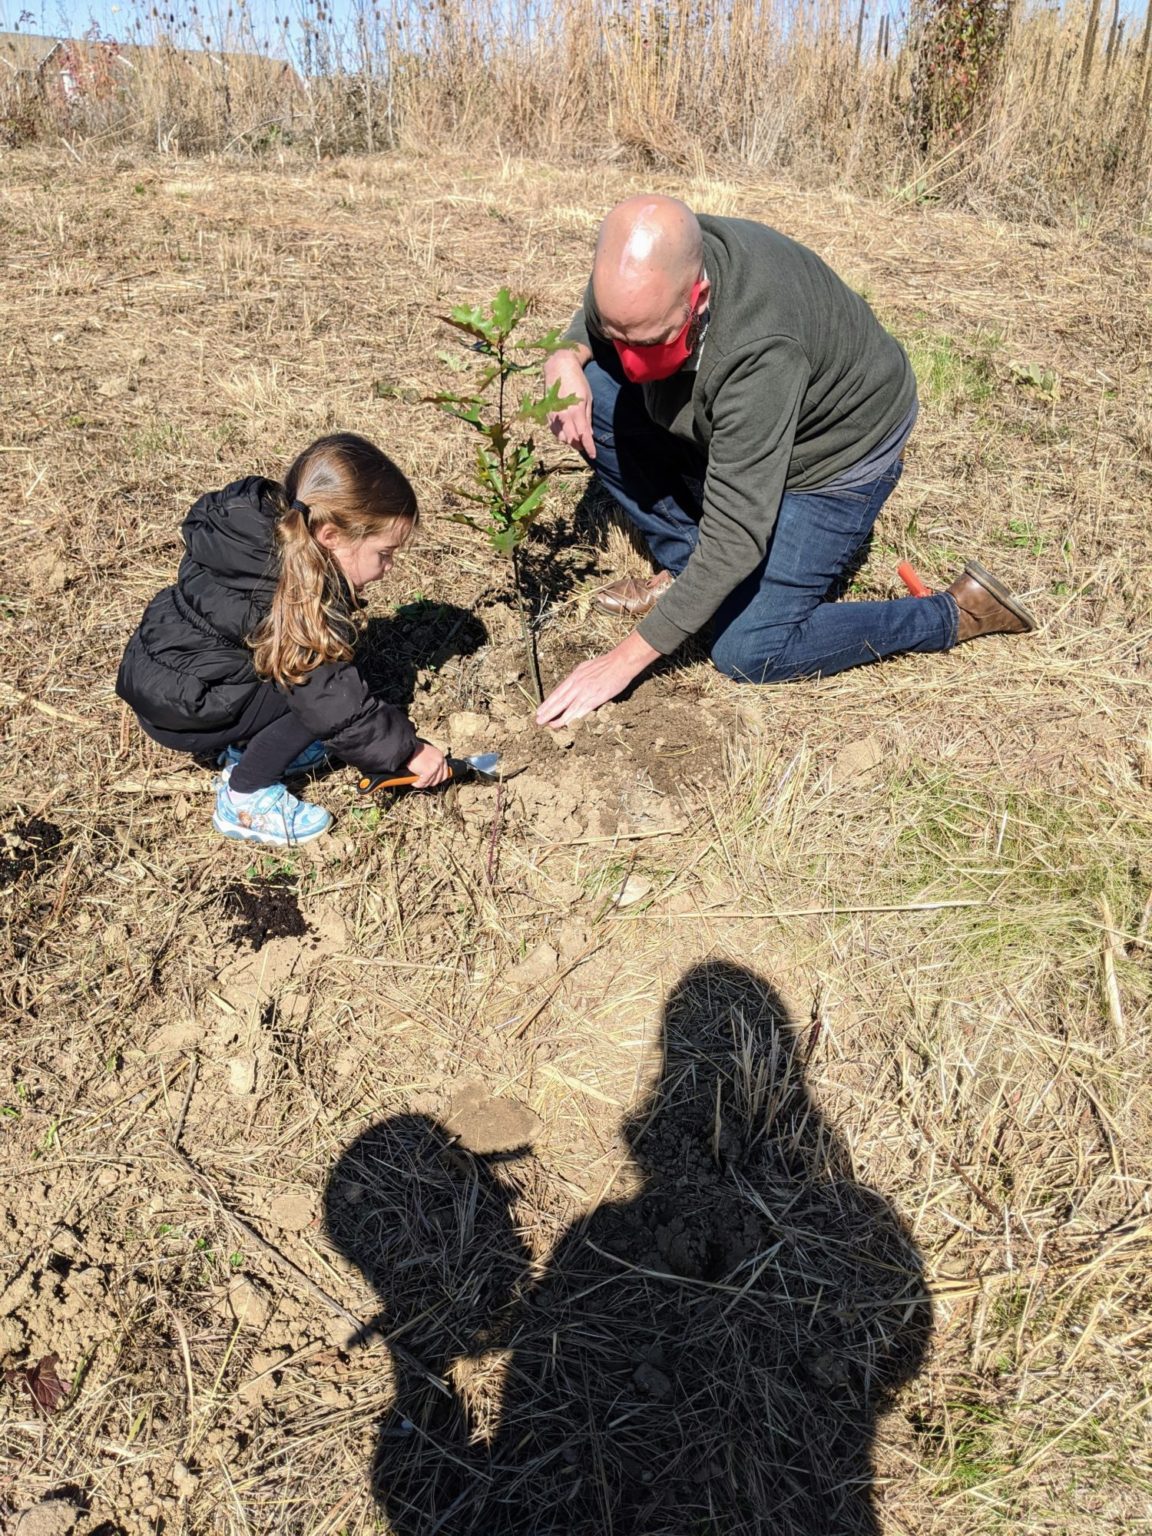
<point x="341" y="481"/>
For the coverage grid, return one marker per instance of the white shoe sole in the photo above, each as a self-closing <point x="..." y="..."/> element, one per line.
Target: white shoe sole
<point x="269" y="839"/>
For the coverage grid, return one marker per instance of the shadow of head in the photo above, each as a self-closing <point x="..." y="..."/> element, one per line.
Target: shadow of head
<point x="431" y="1229"/>
<point x="420" y="636"/>
<point x="731" y="1092"/>
<point x="423" y="1220"/>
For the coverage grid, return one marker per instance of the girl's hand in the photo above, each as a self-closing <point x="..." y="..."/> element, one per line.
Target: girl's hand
<point x="430" y="766"/>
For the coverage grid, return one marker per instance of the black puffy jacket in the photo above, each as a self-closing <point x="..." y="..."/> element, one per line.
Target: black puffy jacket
<point x="187" y="671"/>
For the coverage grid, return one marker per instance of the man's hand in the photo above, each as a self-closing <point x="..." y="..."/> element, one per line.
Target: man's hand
<point x="429" y="765"/>
<point x="572" y="425"/>
<point x="594" y="682"/>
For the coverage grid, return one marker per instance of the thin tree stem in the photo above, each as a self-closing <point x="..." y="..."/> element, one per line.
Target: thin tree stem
<point x="526" y="632"/>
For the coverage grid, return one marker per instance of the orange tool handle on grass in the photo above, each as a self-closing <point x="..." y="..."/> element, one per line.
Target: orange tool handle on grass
<point x="908" y="576"/>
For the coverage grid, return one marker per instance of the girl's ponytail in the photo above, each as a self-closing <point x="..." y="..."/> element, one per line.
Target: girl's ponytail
<point x="301" y="630"/>
<point x="341" y="480"/>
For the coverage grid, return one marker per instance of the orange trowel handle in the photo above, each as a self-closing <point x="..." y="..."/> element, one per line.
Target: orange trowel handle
<point x="910" y="579"/>
<point x="368" y="785"/>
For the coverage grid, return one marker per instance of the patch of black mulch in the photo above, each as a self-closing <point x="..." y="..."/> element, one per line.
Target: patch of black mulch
<point x="267" y="908"/>
<point x="28" y="846"/>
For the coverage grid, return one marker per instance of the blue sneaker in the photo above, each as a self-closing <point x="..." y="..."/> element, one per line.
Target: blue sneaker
<point x="314" y="756"/>
<point x="269" y="815"/>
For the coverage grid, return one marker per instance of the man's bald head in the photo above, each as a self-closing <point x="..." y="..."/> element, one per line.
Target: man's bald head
<point x="649" y="254"/>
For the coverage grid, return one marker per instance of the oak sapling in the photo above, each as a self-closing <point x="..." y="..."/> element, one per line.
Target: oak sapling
<point x="509" y="478"/>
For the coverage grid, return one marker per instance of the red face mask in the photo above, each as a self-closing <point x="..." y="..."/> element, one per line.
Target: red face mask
<point x="644" y="365"/>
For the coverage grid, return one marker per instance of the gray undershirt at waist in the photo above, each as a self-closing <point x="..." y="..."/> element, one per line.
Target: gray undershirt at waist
<point x="880" y="459"/>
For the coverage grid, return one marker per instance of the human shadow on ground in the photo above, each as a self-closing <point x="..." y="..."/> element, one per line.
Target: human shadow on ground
<point x="420" y="636"/>
<point x="707" y="1357"/>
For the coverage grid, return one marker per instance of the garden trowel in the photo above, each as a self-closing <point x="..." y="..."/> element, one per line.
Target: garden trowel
<point x="483" y="765"/>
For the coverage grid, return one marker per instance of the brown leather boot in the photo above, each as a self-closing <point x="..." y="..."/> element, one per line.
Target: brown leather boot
<point x="986" y="606"/>
<point x="632" y="596"/>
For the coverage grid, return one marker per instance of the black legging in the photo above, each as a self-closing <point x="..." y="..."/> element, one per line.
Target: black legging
<point x="268" y="731"/>
<point x="268" y="753"/>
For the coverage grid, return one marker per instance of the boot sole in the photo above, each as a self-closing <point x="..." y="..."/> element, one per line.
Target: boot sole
<point x="1000" y="592"/>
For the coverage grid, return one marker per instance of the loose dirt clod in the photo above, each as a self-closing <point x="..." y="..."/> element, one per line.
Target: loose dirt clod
<point x="292" y="1212"/>
<point x="538" y="966"/>
<point x="242" y="1075"/>
<point x="248" y="1304"/>
<point x="53" y="1517"/>
<point x="484" y="1124"/>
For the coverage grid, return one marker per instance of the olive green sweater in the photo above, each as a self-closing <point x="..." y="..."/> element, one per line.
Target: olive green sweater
<point x="797" y="381"/>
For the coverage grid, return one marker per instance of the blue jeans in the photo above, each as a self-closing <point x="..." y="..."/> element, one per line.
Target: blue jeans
<point x="782" y="621"/>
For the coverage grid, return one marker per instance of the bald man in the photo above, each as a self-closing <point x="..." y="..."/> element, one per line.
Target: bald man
<point x="749" y="414"/>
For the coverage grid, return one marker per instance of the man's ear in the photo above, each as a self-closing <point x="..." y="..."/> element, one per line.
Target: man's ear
<point x="327" y="536"/>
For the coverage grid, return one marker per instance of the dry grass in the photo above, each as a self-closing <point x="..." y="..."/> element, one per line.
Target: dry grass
<point x="840" y="1186"/>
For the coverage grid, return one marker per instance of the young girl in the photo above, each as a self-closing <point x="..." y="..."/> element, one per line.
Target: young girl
<point x="251" y="653"/>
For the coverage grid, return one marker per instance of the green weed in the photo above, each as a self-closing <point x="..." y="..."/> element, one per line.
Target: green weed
<point x="1023" y="533"/>
<point x="965" y="1446"/>
<point x="157" y="439"/>
<point x="367" y="817"/>
<point x="277" y="868"/>
<point x="1034" y="376"/>
<point x="952" y="374"/>
<point x="1034" y="863"/>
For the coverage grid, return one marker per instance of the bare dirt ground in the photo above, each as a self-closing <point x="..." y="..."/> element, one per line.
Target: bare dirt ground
<point x="427" y="1182"/>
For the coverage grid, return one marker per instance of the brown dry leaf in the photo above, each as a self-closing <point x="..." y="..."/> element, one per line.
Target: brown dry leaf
<point x="41" y="1381"/>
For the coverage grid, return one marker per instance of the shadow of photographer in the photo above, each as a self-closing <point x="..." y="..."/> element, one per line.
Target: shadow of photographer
<point x="705" y="1358"/>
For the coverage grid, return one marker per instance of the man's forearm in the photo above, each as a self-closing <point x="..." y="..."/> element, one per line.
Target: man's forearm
<point x="581" y="353"/>
<point x="636" y="653"/>
<point x="576" y="352"/>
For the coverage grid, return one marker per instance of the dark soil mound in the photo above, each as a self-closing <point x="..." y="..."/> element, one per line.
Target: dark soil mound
<point x="28" y="845"/>
<point x="266" y="909"/>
